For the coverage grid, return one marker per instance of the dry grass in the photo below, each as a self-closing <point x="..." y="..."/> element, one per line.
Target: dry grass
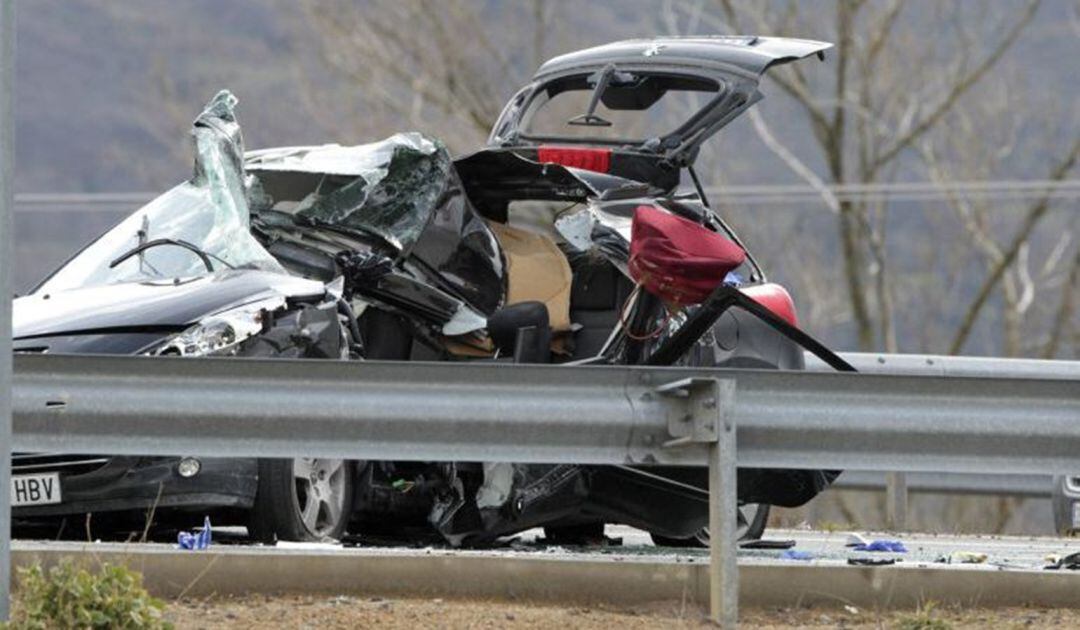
<point x="327" y="613"/>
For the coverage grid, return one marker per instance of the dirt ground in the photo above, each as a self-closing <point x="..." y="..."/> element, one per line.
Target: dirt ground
<point x="330" y="613"/>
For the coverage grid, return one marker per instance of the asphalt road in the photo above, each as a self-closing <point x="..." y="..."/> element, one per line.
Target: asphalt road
<point x="818" y="547"/>
<point x="1026" y="552"/>
<point x="1002" y="552"/>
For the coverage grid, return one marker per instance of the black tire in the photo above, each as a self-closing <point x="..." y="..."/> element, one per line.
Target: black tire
<point x="294" y="507"/>
<point x="750" y="527"/>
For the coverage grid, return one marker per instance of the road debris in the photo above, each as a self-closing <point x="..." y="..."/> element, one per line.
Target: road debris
<point x="883" y="545"/>
<point x="963" y="557"/>
<point x="872" y="562"/>
<point x="1070" y="562"/>
<point x="767" y="544"/>
<point x="195" y="541"/>
<point x="854" y="539"/>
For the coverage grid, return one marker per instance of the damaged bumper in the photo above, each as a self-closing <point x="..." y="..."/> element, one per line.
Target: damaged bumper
<point x="117" y="484"/>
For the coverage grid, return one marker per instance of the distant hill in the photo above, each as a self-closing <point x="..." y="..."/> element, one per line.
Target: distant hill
<point x="106" y="89"/>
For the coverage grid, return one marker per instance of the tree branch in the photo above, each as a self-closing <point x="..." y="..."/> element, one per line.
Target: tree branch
<point x="1065" y="311"/>
<point x="1034" y="215"/>
<point x="958" y="89"/>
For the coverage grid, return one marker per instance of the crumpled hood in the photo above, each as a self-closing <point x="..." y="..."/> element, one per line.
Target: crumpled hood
<point x="142" y="305"/>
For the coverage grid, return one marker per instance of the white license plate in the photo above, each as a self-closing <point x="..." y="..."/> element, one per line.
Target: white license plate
<point x="35" y="489"/>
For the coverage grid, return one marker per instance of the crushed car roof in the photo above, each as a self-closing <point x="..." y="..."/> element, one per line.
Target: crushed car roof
<point x="335" y="159"/>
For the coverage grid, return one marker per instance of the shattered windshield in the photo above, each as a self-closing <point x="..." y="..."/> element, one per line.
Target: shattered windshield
<point x="209" y="211"/>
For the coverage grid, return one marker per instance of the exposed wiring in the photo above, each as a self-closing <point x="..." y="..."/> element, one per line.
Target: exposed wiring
<point x="626" y="329"/>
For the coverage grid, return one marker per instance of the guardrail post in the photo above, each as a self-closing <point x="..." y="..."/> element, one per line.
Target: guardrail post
<point x="896" y="500"/>
<point x="709" y="420"/>
<point x="7" y="153"/>
<point x="723" y="508"/>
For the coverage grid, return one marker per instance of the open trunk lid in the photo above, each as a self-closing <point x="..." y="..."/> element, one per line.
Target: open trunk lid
<point x="661" y="97"/>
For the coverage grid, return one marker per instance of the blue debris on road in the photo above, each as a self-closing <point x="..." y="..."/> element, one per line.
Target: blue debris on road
<point x="195" y="541"/>
<point x="892" y="546"/>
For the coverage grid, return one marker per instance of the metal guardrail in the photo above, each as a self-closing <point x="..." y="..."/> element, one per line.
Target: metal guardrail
<point x="1029" y="486"/>
<point x="937" y="365"/>
<point x="898" y="486"/>
<point x="550" y="414"/>
<point x="770" y="194"/>
<point x="537" y="413"/>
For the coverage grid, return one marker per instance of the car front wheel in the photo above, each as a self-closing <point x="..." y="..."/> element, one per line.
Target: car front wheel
<point x="306" y="499"/>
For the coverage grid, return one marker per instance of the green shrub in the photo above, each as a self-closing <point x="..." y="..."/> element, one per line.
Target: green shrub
<point x="69" y="596"/>
<point x="925" y="618"/>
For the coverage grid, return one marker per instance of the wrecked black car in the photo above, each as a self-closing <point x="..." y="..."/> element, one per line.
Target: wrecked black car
<point x="396" y="251"/>
<point x="184" y="276"/>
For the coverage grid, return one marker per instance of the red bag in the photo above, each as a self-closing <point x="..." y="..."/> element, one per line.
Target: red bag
<point x="678" y="260"/>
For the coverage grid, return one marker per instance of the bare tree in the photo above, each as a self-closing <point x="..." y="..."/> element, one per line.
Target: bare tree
<point x="1008" y="254"/>
<point x="874" y="109"/>
<point x="445" y="68"/>
<point x="982" y="142"/>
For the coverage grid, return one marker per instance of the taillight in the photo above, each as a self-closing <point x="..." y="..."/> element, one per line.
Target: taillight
<point x="598" y="160"/>
<point x="775" y="298"/>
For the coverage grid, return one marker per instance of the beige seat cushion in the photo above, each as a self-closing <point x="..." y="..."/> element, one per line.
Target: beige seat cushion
<point x="537" y="270"/>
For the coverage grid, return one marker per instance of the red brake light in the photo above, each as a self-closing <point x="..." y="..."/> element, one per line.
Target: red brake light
<point x="598" y="160"/>
<point x="775" y="298"/>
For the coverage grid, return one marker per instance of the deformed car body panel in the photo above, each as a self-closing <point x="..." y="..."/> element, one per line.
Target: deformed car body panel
<point x="400" y="197"/>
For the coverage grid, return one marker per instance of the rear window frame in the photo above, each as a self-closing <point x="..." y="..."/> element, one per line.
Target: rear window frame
<point x="527" y="107"/>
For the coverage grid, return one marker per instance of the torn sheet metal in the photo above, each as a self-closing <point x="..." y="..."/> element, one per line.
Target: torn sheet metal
<point x="310" y="331"/>
<point x="593" y="229"/>
<point x="369" y="161"/>
<point x="400" y="197"/>
<point x="392" y="189"/>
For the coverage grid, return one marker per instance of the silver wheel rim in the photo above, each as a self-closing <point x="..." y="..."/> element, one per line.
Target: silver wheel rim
<point x="747" y="515"/>
<point x="320" y="494"/>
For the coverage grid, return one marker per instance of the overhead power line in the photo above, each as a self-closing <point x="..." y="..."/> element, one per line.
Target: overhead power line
<point x="764" y="194"/>
<point x="902" y="191"/>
